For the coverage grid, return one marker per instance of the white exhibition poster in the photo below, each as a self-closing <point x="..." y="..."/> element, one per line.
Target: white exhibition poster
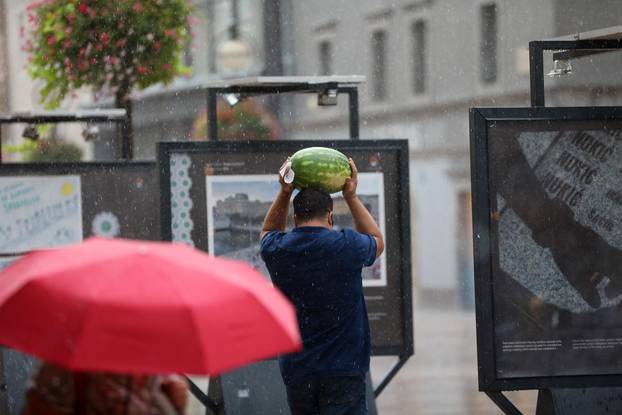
<point x="39" y="212"/>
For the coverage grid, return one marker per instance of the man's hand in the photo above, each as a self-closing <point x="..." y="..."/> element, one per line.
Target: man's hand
<point x="363" y="220"/>
<point x="285" y="187"/>
<point x="349" y="188"/>
<point x="276" y="218"/>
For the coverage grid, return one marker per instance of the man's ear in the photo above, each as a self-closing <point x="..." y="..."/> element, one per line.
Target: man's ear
<point x="330" y="218"/>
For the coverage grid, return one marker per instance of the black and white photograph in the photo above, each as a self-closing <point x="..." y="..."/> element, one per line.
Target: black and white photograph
<point x="556" y="204"/>
<point x="237" y="205"/>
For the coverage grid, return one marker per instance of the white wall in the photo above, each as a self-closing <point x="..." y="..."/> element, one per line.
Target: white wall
<point x="434" y="222"/>
<point x="22" y="95"/>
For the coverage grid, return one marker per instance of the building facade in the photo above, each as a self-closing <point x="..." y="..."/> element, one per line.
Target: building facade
<point x="4" y="69"/>
<point x="427" y="62"/>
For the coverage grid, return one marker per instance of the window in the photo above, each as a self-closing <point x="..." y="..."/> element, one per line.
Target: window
<point x="188" y="57"/>
<point x="419" y="52"/>
<point x="326" y="58"/>
<point x="488" y="44"/>
<point x="378" y="69"/>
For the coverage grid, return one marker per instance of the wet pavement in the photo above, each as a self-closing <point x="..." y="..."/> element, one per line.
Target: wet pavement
<point x="441" y="378"/>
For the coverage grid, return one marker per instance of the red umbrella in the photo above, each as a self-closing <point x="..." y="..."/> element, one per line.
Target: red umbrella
<point x="142" y="307"/>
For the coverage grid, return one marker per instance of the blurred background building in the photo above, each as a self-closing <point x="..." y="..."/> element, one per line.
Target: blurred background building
<point x="4" y="70"/>
<point x="426" y="62"/>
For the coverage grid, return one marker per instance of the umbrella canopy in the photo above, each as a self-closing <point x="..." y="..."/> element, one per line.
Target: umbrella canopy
<point x="142" y="307"/>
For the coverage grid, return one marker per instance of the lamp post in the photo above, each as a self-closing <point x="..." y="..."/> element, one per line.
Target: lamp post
<point x="233" y="56"/>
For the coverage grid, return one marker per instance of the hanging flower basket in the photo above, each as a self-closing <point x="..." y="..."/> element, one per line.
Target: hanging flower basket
<point x="112" y="46"/>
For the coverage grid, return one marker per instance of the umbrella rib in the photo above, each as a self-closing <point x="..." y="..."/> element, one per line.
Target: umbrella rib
<point x="87" y="315"/>
<point x="189" y="312"/>
<point x="85" y="319"/>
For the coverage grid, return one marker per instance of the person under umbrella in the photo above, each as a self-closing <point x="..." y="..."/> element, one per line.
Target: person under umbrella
<point x="117" y="313"/>
<point x="58" y="391"/>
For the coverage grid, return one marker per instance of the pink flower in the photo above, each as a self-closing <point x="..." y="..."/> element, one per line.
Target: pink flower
<point x="121" y="42"/>
<point x="32" y="17"/>
<point x="68" y="30"/>
<point x="141" y="69"/>
<point x="34" y="4"/>
<point x="28" y="45"/>
<point x="137" y="7"/>
<point x="104" y="38"/>
<point x="110" y="60"/>
<point x="51" y="40"/>
<point x="67" y="43"/>
<point x="167" y="66"/>
<point x="99" y="46"/>
<point x="169" y="32"/>
<point x="83" y="8"/>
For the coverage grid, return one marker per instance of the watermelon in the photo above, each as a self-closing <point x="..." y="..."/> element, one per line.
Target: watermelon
<point x="320" y="167"/>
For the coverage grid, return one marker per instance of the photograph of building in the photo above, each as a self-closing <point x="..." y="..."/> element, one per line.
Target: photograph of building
<point x="237" y="206"/>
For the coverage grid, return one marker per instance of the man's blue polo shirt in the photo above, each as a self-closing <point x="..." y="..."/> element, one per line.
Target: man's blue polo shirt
<point x="319" y="270"/>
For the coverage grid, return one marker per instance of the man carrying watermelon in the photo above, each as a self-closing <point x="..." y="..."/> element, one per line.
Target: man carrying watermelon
<point x="319" y="270"/>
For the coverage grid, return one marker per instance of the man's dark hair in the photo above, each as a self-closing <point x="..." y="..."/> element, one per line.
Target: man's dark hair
<point x="311" y="204"/>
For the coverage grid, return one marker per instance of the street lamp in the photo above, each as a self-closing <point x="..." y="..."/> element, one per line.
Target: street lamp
<point x="233" y="55"/>
<point x="561" y="67"/>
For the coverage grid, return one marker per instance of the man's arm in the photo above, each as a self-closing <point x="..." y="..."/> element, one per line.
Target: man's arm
<point x="363" y="220"/>
<point x="276" y="218"/>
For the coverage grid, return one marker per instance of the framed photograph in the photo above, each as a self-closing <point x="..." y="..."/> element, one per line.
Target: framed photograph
<point x="238" y="204"/>
<point x="547" y="214"/>
<point x="236" y="207"/>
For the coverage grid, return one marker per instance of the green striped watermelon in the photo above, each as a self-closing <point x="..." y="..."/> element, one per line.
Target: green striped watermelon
<point x="320" y="167"/>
